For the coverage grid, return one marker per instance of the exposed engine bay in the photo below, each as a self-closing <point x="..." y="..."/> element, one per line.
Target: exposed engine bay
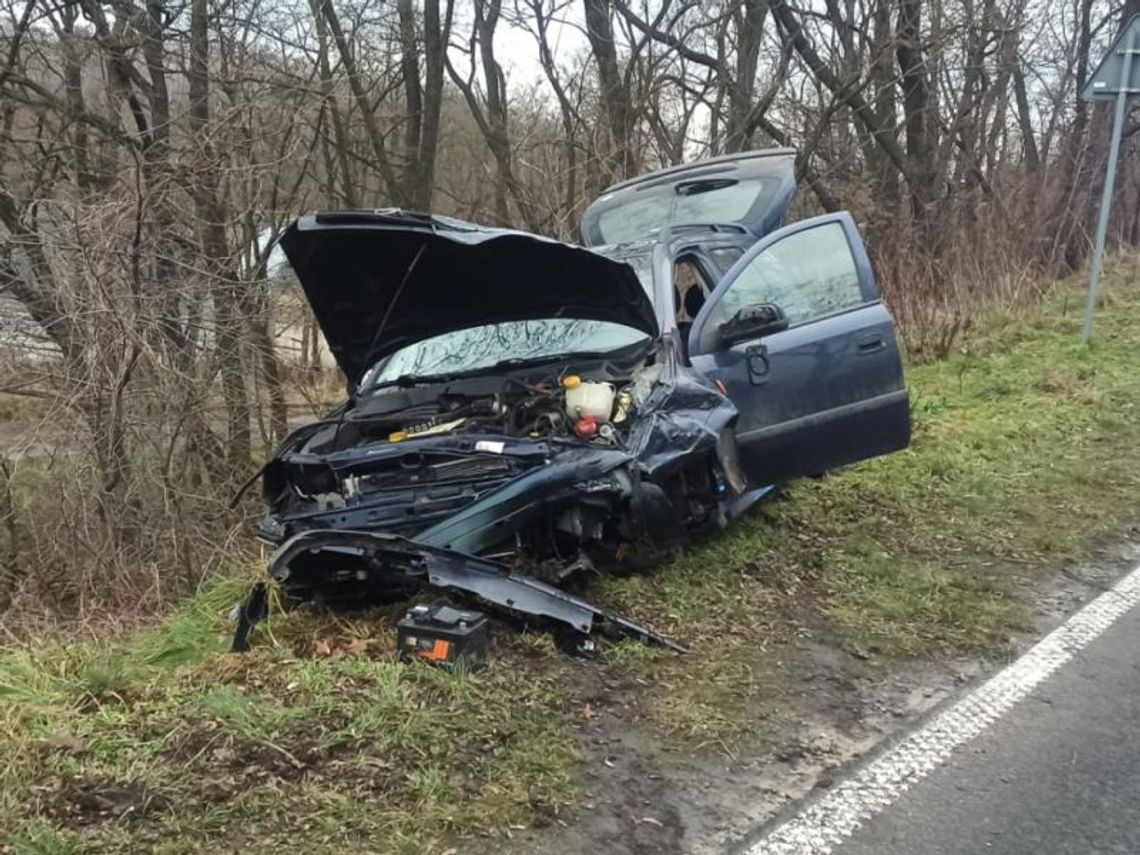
<point x="534" y="406"/>
<point x="547" y="471"/>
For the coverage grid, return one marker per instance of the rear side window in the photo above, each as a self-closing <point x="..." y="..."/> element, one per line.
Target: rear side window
<point x="808" y="274"/>
<point x="725" y="256"/>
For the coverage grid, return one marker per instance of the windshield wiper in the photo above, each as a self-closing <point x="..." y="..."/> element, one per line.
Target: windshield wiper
<point x="404" y="380"/>
<point x="416" y="379"/>
<point x="520" y="361"/>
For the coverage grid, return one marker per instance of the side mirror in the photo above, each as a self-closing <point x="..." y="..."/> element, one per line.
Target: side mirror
<point x="752" y="322"/>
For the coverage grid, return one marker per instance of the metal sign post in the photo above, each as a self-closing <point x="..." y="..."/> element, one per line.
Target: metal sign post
<point x="1117" y="77"/>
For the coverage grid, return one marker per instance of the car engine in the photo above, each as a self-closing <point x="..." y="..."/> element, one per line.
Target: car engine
<point x="564" y="407"/>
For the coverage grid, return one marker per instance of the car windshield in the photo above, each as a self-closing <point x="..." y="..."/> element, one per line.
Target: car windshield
<point x="639" y="256"/>
<point x="475" y="348"/>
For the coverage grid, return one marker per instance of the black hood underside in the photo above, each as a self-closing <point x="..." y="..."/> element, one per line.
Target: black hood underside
<point x="379" y="281"/>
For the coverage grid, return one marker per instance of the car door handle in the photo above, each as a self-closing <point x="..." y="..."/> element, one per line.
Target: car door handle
<point x="758" y="364"/>
<point x="871" y="343"/>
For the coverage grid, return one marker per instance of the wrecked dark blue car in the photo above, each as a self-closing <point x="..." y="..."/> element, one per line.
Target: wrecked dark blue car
<point x="522" y="410"/>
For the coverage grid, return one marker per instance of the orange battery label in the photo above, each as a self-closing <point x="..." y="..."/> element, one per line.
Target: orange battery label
<point x="438" y="652"/>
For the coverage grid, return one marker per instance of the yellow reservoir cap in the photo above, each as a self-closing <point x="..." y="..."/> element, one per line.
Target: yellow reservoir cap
<point x="398" y="436"/>
<point x="571" y="381"/>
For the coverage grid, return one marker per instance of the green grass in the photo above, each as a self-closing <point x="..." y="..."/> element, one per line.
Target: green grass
<point x="162" y="743"/>
<point x="1026" y="455"/>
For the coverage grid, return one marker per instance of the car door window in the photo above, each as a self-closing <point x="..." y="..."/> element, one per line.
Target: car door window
<point x="808" y="274"/>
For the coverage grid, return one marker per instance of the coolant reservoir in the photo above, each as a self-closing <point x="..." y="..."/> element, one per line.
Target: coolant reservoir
<point x="590" y="399"/>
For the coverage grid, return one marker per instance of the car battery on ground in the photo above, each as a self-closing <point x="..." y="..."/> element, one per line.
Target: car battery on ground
<point x="443" y="635"/>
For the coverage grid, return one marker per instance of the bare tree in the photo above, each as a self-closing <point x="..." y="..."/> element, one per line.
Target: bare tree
<point x="152" y="152"/>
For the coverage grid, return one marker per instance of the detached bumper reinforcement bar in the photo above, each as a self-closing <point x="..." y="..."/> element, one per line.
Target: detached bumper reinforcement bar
<point x="492" y="583"/>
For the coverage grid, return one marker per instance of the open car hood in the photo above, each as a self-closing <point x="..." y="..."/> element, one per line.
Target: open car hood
<point x="749" y="191"/>
<point x="354" y="269"/>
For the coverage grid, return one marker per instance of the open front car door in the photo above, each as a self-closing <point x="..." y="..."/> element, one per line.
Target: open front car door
<point x="799" y="338"/>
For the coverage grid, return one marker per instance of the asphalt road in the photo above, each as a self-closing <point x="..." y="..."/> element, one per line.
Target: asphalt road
<point x="1059" y="773"/>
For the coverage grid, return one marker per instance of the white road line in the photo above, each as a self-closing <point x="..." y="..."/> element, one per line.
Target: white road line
<point x="826" y="822"/>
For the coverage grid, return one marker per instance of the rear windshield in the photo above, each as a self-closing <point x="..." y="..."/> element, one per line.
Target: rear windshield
<point x="655" y="207"/>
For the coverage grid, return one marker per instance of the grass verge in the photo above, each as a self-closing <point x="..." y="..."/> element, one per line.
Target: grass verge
<point x="317" y="740"/>
<point x="1026" y="454"/>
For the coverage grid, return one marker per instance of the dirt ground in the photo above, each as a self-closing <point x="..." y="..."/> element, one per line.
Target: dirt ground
<point x="834" y="707"/>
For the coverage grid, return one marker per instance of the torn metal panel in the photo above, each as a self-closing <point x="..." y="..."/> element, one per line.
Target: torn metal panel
<point x="570" y="471"/>
<point x="683" y="415"/>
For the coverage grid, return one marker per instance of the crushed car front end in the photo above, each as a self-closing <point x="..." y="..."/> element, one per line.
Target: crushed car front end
<point x="495" y="452"/>
<point x="504" y="483"/>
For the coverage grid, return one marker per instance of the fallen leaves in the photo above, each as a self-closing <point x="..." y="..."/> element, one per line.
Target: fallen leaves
<point x="338" y="649"/>
<point x="356" y="647"/>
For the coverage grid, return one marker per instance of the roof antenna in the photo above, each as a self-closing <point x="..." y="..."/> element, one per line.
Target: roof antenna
<point x="379" y="331"/>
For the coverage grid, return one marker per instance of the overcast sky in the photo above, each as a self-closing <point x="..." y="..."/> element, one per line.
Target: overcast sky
<point x="517" y="50"/>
